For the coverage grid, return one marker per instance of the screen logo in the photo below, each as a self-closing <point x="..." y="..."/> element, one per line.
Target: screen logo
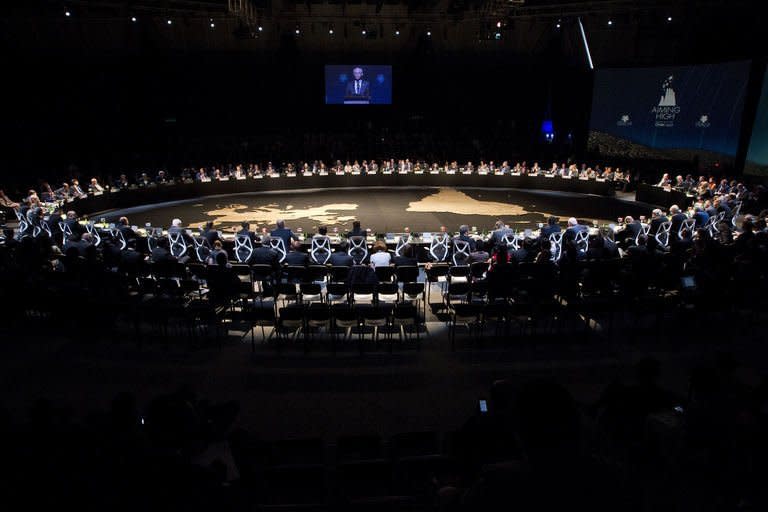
<point x="624" y="120"/>
<point x="667" y="109"/>
<point x="703" y="121"/>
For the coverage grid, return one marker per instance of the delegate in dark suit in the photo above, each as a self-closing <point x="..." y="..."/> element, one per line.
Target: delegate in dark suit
<point x="550" y="229"/>
<point x="631" y="231"/>
<point x="285" y="234"/>
<point x="211" y="235"/>
<point x="572" y="231"/>
<point x="498" y="235"/>
<point x="265" y="255"/>
<point x="341" y="259"/>
<point x="469" y="240"/>
<point x="76" y="228"/>
<point x="701" y="218"/>
<point x="656" y="224"/>
<point x="677" y="222"/>
<point x="296" y="258"/>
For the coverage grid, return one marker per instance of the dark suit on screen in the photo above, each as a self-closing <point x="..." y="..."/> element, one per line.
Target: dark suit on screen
<point x="363" y="89"/>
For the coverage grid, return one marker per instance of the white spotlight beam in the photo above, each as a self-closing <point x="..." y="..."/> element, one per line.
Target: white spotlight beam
<point x="586" y="45"/>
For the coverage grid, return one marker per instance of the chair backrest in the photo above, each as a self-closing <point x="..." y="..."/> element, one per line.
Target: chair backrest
<point x="404" y="240"/>
<point x="662" y="236"/>
<point x="644" y="230"/>
<point x="152" y="241"/>
<point x="460" y="252"/>
<point x="511" y="240"/>
<point x="735" y="213"/>
<point x="711" y="225"/>
<point x="45" y="228"/>
<point x="243" y="248"/>
<point x="65" y="229"/>
<point x="91" y="229"/>
<point x="407" y="273"/>
<point x="556" y="241"/>
<point x="720" y="217"/>
<point x="33" y="222"/>
<point x="23" y="224"/>
<point x="177" y="246"/>
<point x="582" y="241"/>
<point x="358" y="249"/>
<point x="688" y="224"/>
<point x="438" y="247"/>
<point x="339" y="274"/>
<point x="278" y="245"/>
<point x="202" y="248"/>
<point x="320" y="250"/>
<point x="118" y="237"/>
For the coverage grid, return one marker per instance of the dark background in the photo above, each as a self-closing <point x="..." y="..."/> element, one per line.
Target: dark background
<point x="95" y="94"/>
<point x="105" y="112"/>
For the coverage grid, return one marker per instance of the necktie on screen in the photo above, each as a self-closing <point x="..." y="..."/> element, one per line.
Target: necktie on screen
<point x="357" y="86"/>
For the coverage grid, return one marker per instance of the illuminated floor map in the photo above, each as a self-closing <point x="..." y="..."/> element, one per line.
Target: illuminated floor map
<point x="386" y="210"/>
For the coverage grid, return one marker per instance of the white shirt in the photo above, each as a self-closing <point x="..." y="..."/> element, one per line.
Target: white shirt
<point x="380" y="259"/>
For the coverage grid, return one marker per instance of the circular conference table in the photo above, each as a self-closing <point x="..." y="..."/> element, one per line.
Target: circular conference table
<point x="160" y="193"/>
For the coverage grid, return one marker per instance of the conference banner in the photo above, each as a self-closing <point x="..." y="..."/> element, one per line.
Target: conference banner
<point x="679" y="113"/>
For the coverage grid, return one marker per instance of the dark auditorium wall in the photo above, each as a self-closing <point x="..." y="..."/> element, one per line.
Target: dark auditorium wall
<point x="104" y="113"/>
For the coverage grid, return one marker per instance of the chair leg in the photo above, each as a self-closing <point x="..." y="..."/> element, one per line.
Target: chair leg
<point x="417" y="326"/>
<point x="452" y="334"/>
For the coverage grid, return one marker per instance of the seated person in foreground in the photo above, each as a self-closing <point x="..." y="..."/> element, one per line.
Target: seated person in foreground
<point x="124" y="227"/>
<point x="407" y="257"/>
<point x="218" y="255"/>
<point x="6" y="201"/>
<point x="265" y="255"/>
<point x="340" y="258"/>
<point x="245" y="231"/>
<point x="74" y="225"/>
<point x="573" y="229"/>
<point x="356" y="230"/>
<point x="210" y="234"/>
<point x="464" y="237"/>
<point x="551" y="227"/>
<point x="380" y="256"/>
<point x="632" y="228"/>
<point x="285" y="234"/>
<point x="295" y="256"/>
<point x="161" y="253"/>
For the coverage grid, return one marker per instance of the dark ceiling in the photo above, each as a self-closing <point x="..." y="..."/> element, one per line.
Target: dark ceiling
<point x="640" y="31"/>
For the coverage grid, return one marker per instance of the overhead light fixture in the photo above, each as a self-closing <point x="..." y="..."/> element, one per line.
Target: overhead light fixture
<point x="67" y="14"/>
<point x="169" y="22"/>
<point x="133" y="19"/>
<point x="610" y="22"/>
<point x="669" y="18"/>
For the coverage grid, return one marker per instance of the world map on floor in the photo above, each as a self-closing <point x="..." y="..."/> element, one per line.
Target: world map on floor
<point x="384" y="210"/>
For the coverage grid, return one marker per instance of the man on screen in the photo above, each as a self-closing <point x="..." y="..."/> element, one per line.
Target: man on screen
<point x="358" y="88"/>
